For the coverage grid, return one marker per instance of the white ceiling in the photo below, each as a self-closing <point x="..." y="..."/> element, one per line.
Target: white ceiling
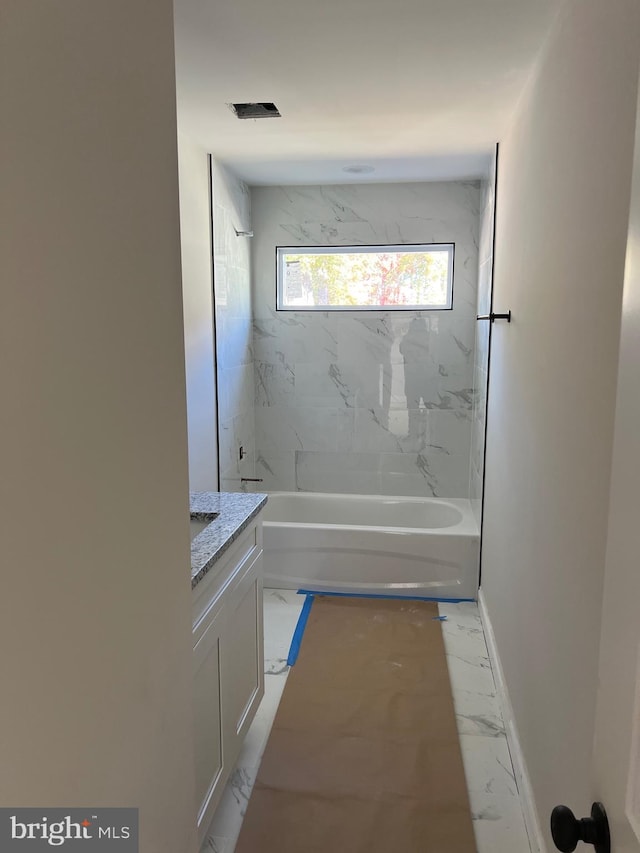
<point x="419" y="89"/>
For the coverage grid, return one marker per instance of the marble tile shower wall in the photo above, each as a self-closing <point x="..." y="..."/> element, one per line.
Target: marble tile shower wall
<point x="481" y="349"/>
<point x="232" y="284"/>
<point x="371" y="403"/>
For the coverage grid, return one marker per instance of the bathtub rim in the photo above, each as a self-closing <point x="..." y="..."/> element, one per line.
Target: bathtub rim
<point x="466" y="527"/>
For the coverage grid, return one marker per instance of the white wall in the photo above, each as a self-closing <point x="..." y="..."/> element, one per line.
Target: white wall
<point x="197" y="298"/>
<point x="562" y="209"/>
<point x="95" y="622"/>
<point x="341" y="404"/>
<point x="620" y="641"/>
<point x="232" y="285"/>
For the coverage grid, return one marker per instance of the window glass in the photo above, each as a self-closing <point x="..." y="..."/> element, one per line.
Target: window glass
<point x="365" y="278"/>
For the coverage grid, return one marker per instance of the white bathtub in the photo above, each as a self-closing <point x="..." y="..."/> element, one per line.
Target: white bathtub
<point x="371" y="544"/>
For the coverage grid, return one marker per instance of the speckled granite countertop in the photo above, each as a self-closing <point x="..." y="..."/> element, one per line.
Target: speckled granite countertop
<point x="236" y="510"/>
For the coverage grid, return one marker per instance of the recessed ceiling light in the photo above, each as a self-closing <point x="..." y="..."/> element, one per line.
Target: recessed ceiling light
<point x="358" y="170"/>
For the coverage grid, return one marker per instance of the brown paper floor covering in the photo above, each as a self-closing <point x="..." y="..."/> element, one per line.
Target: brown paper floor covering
<point x="364" y="755"/>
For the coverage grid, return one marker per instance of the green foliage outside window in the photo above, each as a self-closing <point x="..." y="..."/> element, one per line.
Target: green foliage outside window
<point x="361" y="279"/>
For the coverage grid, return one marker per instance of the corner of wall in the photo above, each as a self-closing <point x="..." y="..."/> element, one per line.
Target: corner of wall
<point x="482" y="341"/>
<point x="197" y="308"/>
<point x="523" y="782"/>
<point x="234" y="329"/>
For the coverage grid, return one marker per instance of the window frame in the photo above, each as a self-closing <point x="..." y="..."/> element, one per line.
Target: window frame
<point x="282" y="251"/>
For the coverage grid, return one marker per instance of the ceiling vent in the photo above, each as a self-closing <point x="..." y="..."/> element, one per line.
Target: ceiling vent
<point x="262" y="110"/>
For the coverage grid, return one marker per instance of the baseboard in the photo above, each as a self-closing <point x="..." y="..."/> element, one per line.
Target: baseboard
<point x="531" y="816"/>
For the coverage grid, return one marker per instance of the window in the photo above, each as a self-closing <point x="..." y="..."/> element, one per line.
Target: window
<point x="365" y="278"/>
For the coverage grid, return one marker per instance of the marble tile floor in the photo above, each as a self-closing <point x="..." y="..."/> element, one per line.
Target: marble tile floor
<point x="495" y="804"/>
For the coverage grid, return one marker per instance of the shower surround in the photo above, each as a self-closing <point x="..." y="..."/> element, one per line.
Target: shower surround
<point x="373" y="402"/>
<point x="232" y="288"/>
<point x="483" y="337"/>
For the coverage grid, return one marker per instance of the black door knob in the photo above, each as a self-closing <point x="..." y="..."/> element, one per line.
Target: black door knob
<point x="567" y="830"/>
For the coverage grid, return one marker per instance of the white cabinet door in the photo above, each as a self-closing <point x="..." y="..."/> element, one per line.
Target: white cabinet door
<point x="242" y="668"/>
<point x="209" y="754"/>
<point x="228" y="667"/>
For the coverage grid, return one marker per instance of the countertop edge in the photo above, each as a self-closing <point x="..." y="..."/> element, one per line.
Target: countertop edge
<point x="236" y="511"/>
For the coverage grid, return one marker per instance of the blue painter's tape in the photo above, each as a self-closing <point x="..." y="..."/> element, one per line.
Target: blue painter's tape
<point x="382" y="595"/>
<point x="297" y="634"/>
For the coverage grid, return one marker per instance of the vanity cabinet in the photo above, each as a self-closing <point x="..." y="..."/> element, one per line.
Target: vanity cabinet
<point x="242" y="659"/>
<point x="208" y="711"/>
<point x="228" y="661"/>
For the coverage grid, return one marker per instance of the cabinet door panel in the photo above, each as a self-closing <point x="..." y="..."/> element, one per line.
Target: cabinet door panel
<point x="209" y="754"/>
<point x="243" y="658"/>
